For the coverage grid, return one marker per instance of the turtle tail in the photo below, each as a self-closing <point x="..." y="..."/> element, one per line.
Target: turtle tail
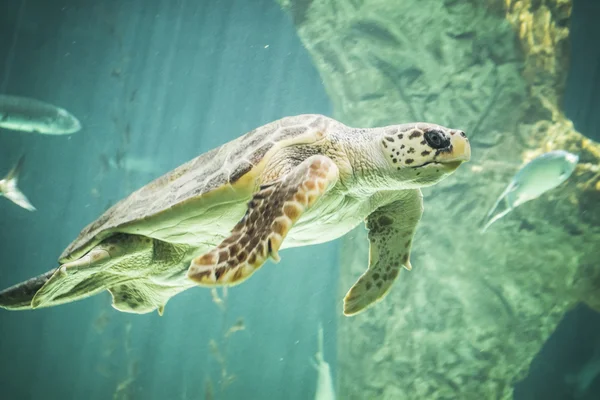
<point x="19" y="296"/>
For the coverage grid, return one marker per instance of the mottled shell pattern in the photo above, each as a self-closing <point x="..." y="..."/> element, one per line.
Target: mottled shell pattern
<point x="227" y="173"/>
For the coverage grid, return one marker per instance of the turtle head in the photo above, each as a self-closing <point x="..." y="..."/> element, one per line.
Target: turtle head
<point x="422" y="154"/>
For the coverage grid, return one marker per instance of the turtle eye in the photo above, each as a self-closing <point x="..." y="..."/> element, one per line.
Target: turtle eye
<point x="437" y="139"/>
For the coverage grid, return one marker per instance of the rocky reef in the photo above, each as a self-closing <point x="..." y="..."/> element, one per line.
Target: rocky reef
<point x="466" y="322"/>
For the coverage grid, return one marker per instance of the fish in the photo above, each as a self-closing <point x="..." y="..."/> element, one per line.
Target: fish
<point x="129" y="163"/>
<point x="538" y="176"/>
<point x="31" y="115"/>
<point x="325" y="390"/>
<point x="9" y="189"/>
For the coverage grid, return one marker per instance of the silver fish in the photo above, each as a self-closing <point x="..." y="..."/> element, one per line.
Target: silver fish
<point x="30" y="115"/>
<point x="541" y="174"/>
<point x="130" y="163"/>
<point x="9" y="189"/>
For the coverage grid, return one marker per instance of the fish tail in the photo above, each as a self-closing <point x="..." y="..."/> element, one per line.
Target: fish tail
<point x="10" y="189"/>
<point x="494" y="219"/>
<point x="494" y="214"/>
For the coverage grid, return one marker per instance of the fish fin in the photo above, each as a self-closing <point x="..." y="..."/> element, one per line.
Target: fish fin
<point x="511" y="187"/>
<point x="496" y="218"/>
<point x="13" y="174"/>
<point x="491" y="217"/>
<point x="11" y="191"/>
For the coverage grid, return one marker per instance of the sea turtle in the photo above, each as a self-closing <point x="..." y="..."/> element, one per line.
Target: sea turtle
<point x="215" y="220"/>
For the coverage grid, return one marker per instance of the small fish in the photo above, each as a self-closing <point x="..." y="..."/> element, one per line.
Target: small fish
<point x="30" y="115"/>
<point x="541" y="174"/>
<point x="129" y="163"/>
<point x="9" y="189"/>
<point x="325" y="390"/>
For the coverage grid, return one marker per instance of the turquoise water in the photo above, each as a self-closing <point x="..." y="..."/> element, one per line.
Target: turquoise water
<point x="155" y="83"/>
<point x="163" y="81"/>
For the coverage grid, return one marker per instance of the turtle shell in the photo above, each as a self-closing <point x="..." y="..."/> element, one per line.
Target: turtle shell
<point x="196" y="194"/>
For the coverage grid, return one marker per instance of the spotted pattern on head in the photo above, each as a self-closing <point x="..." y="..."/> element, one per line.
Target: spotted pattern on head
<point x="271" y="213"/>
<point x="406" y="146"/>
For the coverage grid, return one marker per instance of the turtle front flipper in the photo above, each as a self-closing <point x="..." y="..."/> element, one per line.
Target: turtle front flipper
<point x="391" y="229"/>
<point x="270" y="216"/>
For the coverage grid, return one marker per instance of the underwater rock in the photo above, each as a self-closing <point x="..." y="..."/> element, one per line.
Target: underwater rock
<point x="542" y="27"/>
<point x="475" y="310"/>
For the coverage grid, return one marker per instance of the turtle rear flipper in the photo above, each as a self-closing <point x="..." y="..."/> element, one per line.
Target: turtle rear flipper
<point x="84" y="277"/>
<point x="19" y="296"/>
<point x="391" y="229"/>
<point x="270" y="216"/>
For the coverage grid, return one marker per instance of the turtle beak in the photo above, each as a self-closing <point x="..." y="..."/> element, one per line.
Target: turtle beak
<point x="459" y="150"/>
